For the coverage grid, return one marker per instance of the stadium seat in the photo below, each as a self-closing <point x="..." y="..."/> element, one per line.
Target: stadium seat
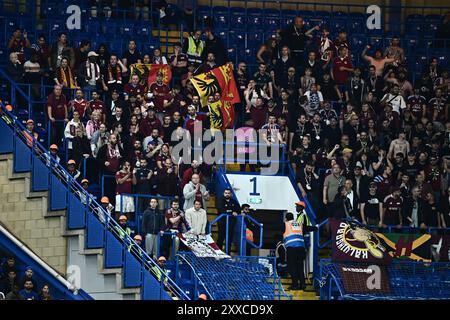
<point x="128" y="29"/>
<point x="221" y="18"/>
<point x="254" y="19"/>
<point x="237" y="18"/>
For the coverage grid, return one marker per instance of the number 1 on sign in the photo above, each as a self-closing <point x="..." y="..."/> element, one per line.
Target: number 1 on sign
<point x="254" y="193"/>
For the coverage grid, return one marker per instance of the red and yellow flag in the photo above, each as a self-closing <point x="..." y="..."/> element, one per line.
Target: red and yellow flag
<point x="147" y="72"/>
<point x="219" y="80"/>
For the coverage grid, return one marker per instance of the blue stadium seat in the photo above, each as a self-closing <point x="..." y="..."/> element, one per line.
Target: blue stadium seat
<point x="254" y="19"/>
<point x="255" y="39"/>
<point x="109" y="27"/>
<point x="128" y="29"/>
<point x="271" y="19"/>
<point x="237" y="18"/>
<point x="92" y="27"/>
<point x="221" y="17"/>
<point x="237" y="39"/>
<point x="144" y="29"/>
<point x="287" y="17"/>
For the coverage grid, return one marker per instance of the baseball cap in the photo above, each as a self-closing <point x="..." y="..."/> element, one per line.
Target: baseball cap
<point x="162" y="258"/>
<point x="123" y="217"/>
<point x="358" y="165"/>
<point x="92" y="54"/>
<point x="104" y="200"/>
<point x="301" y="203"/>
<point x="9" y="108"/>
<point x="202" y="297"/>
<point x="137" y="237"/>
<point x="30" y="121"/>
<point x="53" y="147"/>
<point x="84" y="181"/>
<point x="71" y="161"/>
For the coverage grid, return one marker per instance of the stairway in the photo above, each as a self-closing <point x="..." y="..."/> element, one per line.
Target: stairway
<point x="167" y="39"/>
<point x="66" y="233"/>
<point x="28" y="217"/>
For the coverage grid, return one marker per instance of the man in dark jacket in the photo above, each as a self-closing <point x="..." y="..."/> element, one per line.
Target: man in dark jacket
<point x="414" y="214"/>
<point x="152" y="224"/>
<point x="215" y="45"/>
<point x="231" y="207"/>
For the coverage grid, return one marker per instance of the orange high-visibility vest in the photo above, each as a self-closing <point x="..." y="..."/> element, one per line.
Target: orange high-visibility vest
<point x="249" y="235"/>
<point x="293" y="234"/>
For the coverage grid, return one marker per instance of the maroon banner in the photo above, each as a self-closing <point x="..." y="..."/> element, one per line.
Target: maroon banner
<point x="365" y="279"/>
<point x="352" y="242"/>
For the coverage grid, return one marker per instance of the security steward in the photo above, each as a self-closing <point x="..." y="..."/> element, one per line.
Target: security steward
<point x="295" y="247"/>
<point x="194" y="46"/>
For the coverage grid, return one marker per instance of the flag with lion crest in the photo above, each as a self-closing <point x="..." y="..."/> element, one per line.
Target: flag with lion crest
<point x="218" y="80"/>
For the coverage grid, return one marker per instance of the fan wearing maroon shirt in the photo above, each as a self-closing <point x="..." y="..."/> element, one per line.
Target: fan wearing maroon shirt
<point x="342" y="66"/>
<point x="438" y="107"/>
<point x="79" y="104"/>
<point x="97" y="104"/>
<point x="57" y="113"/>
<point x="134" y="87"/>
<point x="110" y="155"/>
<point x="173" y="101"/>
<point x="417" y="104"/>
<point x="392" y="207"/>
<point x="18" y="43"/>
<point x="258" y="113"/>
<point x="124" y="181"/>
<point x="193" y="121"/>
<point x="178" y="61"/>
<point x="159" y="90"/>
<point x="149" y="123"/>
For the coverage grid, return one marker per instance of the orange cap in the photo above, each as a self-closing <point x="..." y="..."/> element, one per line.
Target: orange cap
<point x="30" y="121"/>
<point x="9" y="108"/>
<point x="137" y="237"/>
<point x="301" y="203"/>
<point x="84" y="181"/>
<point x="54" y="146"/>
<point x="71" y="161"/>
<point x="104" y="200"/>
<point x="123" y="217"/>
<point x="202" y="297"/>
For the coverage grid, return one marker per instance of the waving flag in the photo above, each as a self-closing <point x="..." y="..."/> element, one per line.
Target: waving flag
<point x="218" y="80"/>
<point x="147" y="72"/>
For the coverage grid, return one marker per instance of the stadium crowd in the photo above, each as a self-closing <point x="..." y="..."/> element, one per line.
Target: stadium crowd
<point x="371" y="142"/>
<point x="13" y="287"/>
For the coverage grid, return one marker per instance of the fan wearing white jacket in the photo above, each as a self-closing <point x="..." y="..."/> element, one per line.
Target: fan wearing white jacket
<point x="196" y="218"/>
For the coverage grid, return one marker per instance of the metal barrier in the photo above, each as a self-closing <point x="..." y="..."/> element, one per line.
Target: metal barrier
<point x="242" y="235"/>
<point x="83" y="211"/>
<point x="408" y="280"/>
<point x="238" y="278"/>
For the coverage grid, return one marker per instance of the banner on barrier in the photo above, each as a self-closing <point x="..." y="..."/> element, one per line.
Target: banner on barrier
<point x="202" y="246"/>
<point x="353" y="242"/>
<point x="416" y="247"/>
<point x="365" y="279"/>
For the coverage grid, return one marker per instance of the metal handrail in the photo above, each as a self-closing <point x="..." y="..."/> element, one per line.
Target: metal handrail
<point x="91" y="204"/>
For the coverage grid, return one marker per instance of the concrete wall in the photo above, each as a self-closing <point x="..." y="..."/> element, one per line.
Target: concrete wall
<point x="24" y="217"/>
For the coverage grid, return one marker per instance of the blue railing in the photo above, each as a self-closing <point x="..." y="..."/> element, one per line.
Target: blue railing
<point x="238" y="278"/>
<point x="84" y="212"/>
<point x="242" y="232"/>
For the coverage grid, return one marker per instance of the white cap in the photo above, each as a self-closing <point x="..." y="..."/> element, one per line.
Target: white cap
<point x="92" y="54"/>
